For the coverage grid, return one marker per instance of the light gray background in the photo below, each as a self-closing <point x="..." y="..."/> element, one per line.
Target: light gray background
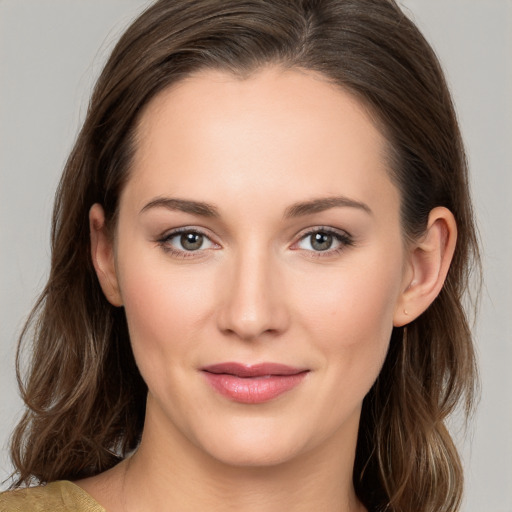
<point x="52" y="50"/>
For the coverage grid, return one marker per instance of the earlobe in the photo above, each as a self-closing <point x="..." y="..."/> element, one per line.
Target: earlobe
<point x="429" y="262"/>
<point x="102" y="254"/>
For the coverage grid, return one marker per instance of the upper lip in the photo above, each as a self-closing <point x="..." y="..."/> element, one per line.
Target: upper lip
<point x="254" y="370"/>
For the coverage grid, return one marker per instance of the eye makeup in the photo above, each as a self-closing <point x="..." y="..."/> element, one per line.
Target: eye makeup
<point x="192" y="242"/>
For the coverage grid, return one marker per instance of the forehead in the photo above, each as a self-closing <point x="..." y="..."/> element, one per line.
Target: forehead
<point x="248" y="136"/>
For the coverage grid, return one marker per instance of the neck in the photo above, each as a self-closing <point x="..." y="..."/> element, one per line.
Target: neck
<point x="177" y="476"/>
<point x="169" y="473"/>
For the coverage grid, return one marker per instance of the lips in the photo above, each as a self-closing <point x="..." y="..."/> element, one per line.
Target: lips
<point x="253" y="384"/>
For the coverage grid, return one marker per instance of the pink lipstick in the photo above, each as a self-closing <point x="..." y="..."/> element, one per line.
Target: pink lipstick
<point x="253" y="384"/>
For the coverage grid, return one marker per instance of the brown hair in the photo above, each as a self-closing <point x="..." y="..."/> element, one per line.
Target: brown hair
<point x="85" y="397"/>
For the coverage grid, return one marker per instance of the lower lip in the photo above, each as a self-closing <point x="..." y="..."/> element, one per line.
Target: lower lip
<point x="253" y="390"/>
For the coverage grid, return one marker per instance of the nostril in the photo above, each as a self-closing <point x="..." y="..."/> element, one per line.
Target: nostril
<point x="251" y="327"/>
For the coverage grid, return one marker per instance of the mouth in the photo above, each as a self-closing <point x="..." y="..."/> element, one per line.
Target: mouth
<point x="253" y="384"/>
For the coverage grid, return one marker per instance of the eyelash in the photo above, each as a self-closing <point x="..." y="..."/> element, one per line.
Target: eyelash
<point x="342" y="237"/>
<point x="164" y="242"/>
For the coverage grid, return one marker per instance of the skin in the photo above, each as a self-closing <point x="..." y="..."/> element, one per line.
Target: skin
<point x="258" y="290"/>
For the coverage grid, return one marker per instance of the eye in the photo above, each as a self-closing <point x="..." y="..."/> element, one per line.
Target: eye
<point x="318" y="241"/>
<point x="324" y="240"/>
<point x="191" y="241"/>
<point x="186" y="241"/>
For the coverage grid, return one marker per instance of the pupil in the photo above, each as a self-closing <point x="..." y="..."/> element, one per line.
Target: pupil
<point x="191" y="241"/>
<point x="321" y="241"/>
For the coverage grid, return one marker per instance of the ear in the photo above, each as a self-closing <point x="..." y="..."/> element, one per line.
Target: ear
<point x="102" y="253"/>
<point x="428" y="261"/>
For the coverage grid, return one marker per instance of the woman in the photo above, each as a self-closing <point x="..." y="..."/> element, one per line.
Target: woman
<point x="261" y="242"/>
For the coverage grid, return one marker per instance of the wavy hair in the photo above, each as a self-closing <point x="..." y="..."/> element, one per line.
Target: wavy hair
<point x="85" y="399"/>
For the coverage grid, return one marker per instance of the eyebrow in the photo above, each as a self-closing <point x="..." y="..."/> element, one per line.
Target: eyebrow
<point x="322" y="204"/>
<point x="183" y="205"/>
<point x="295" y="210"/>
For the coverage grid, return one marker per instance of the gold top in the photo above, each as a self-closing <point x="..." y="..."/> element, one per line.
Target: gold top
<point x="61" y="496"/>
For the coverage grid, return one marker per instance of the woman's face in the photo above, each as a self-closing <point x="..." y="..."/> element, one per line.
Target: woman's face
<point x="260" y="260"/>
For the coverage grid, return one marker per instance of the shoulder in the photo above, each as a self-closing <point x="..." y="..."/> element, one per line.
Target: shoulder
<point x="62" y="496"/>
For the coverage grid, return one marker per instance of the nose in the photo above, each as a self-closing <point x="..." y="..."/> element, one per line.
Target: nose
<point x="254" y="303"/>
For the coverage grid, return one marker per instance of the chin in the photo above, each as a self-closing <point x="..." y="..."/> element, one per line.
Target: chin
<point x="254" y="455"/>
<point x="251" y="443"/>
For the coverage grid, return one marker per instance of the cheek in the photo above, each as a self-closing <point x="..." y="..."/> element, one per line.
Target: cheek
<point x="349" y="314"/>
<point x="355" y="307"/>
<point x="165" y="308"/>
